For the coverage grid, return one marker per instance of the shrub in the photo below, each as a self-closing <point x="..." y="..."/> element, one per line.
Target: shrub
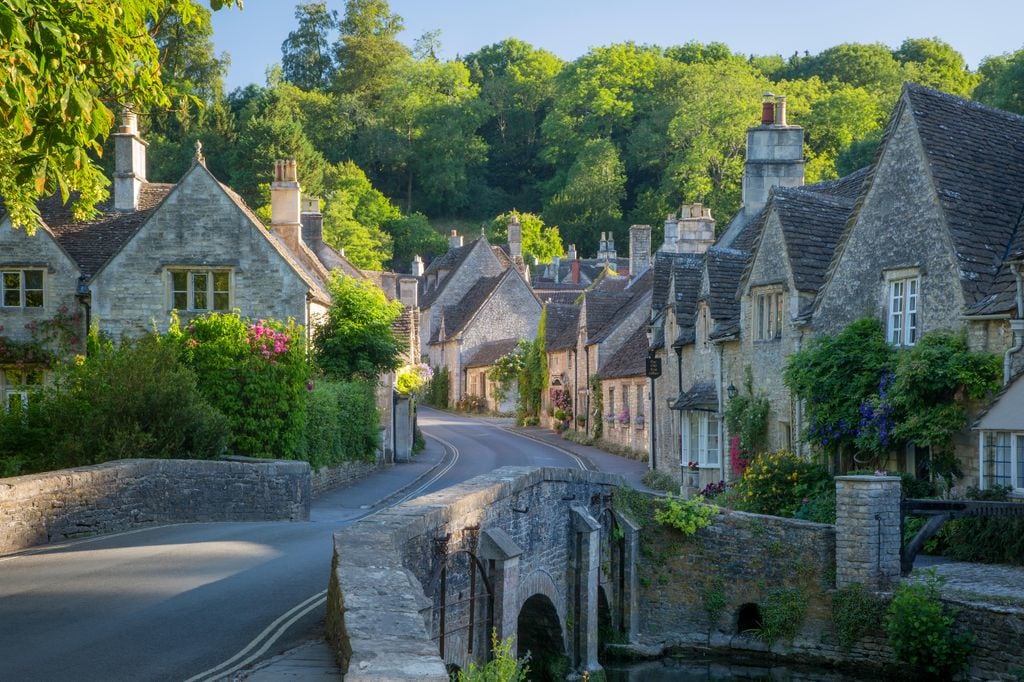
<point x="782" y="615"/>
<point x="504" y="667"/>
<point x="342" y="423"/>
<point x="24" y="437"/>
<point x="411" y="379"/>
<point x="471" y="403"/>
<point x="922" y="635"/>
<point x="686" y="516"/>
<point x="436" y="394"/>
<point x="133" y="401"/>
<point x="356" y="340"/>
<point x="255" y="373"/>
<point x="780" y="483"/>
<point x="986" y="539"/>
<point x="855" y="613"/>
<point x="659" y="480"/>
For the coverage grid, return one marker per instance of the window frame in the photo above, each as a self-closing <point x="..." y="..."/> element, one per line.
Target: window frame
<point x="701" y="430"/>
<point x="768" y="310"/>
<point x="1014" y="462"/>
<point x="902" y="308"/>
<point x="22" y="288"/>
<point x="211" y="293"/>
<point x="29" y="380"/>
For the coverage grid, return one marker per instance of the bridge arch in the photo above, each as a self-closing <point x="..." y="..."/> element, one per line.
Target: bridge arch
<point x="539" y="632"/>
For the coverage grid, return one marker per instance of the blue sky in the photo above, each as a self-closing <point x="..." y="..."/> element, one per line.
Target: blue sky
<point x="977" y="29"/>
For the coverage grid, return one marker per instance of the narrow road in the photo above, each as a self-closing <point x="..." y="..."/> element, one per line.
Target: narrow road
<point x="198" y="601"/>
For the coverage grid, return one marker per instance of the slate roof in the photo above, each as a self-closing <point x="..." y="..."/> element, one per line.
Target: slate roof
<point x="457" y="316"/>
<point x="560" y="318"/>
<point x="687" y="274"/>
<point x="636" y="291"/>
<point x="628" y="361"/>
<point x="725" y="269"/>
<point x="812" y="224"/>
<point x="702" y="396"/>
<point x="450" y="260"/>
<point x="559" y="297"/>
<point x="976" y="158"/>
<point x="488" y="353"/>
<point x="92" y="243"/>
<point x="601" y="307"/>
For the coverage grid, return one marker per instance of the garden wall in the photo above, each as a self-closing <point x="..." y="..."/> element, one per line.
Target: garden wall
<point x="115" y="496"/>
<point x="328" y="478"/>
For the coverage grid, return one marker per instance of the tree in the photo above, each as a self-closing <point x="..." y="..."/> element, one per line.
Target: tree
<point x="306" y="59"/>
<point x="356" y="341"/>
<point x="933" y="62"/>
<point x="1002" y="82"/>
<point x="354" y="216"/>
<point x="591" y="200"/>
<point x="412" y="236"/>
<point x="367" y="51"/>
<point x="538" y="240"/>
<point x="66" y="66"/>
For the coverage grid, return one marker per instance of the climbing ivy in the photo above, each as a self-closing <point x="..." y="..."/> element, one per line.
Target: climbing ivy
<point x="596" y="406"/>
<point x="746" y="416"/>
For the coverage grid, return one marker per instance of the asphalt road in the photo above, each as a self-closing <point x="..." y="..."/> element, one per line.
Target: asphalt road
<point x="198" y="601"/>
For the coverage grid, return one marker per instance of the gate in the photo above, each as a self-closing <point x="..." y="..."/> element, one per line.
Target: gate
<point x="941" y="511"/>
<point x="463" y="604"/>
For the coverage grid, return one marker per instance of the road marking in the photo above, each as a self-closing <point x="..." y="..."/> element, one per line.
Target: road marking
<point x="304" y="606"/>
<point x="270" y="634"/>
<point x="579" y="462"/>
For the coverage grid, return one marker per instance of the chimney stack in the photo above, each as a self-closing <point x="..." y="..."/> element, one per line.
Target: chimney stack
<point x="286" y="203"/>
<point x="775" y="156"/>
<point x="515" y="238"/>
<point x="417" y="266"/>
<point x="574" y="269"/>
<point x="129" y="163"/>
<point x="696" y="229"/>
<point x="556" y="266"/>
<point x="610" y="255"/>
<point x="671" y="233"/>
<point x="571" y="253"/>
<point x="454" y="240"/>
<point x="639" y="249"/>
<point x="408" y="290"/>
<point x="312" y="222"/>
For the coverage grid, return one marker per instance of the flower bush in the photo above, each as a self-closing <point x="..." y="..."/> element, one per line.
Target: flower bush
<point x="624" y="417"/>
<point x="410" y="379"/>
<point x="780" y="483"/>
<point x="561" y="400"/>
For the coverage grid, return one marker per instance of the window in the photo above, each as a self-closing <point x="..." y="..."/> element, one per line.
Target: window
<point x="15" y="385"/>
<point x="1003" y="459"/>
<point x="701" y="439"/>
<point x="768" y="316"/>
<point x="610" y="414"/>
<point x="201" y="290"/>
<point x="21" y="288"/>
<point x="902" y="327"/>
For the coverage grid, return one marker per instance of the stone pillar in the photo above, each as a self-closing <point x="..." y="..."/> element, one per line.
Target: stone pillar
<point x="588" y="558"/>
<point x="631" y="537"/>
<point x="501" y="555"/>
<point x="403" y="428"/>
<point x="868" y="531"/>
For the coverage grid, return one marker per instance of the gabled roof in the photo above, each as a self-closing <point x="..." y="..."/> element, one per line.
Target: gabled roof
<point x="976" y="157"/>
<point x="92" y="243"/>
<point x="629" y="360"/>
<point x="450" y="260"/>
<point x="560" y="318"/>
<point x="725" y="268"/>
<point x="488" y="353"/>
<point x="686" y="278"/>
<point x="457" y="316"/>
<point x="599" y="308"/>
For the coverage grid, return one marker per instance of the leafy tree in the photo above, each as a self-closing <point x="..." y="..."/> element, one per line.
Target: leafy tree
<point x="872" y="66"/>
<point x="367" y="52"/>
<point x="538" y="240"/>
<point x="933" y="62"/>
<point x="306" y="58"/>
<point x="591" y="200"/>
<point x="412" y="235"/>
<point x="356" y="339"/>
<point x="66" y="66"/>
<point x="844" y="114"/>
<point x="1002" y="84"/>
<point x="354" y="217"/>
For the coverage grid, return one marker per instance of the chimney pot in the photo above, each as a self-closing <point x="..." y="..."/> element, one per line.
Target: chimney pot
<point x="286" y="204"/>
<point x="574" y="266"/>
<point x="780" y="111"/>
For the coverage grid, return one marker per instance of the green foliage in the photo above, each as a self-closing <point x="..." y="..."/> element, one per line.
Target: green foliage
<point x="638" y="506"/>
<point x="471" y="403"/>
<point x="686" y="516"/>
<point x="137" y="400"/>
<point x="412" y="379"/>
<point x="714" y="600"/>
<point x="782" y="615"/>
<point x="306" y="59"/>
<point x="436" y="393"/>
<point x="747" y="417"/>
<point x="856" y="612"/>
<point x="342" y="423"/>
<point x="356" y="339"/>
<point x="503" y="666"/>
<point x="659" y="480"/>
<point x="834" y="375"/>
<point x="596" y="406"/>
<point x="780" y="483"/>
<point x="64" y="65"/>
<point x="538" y="240"/>
<point x="922" y="634"/>
<point x="985" y="539"/>
<point x="1002" y="83"/>
<point x="354" y="218"/>
<point x="508" y="368"/>
<point x="255" y="374"/>
<point x="533" y="377"/>
<point x="412" y="236"/>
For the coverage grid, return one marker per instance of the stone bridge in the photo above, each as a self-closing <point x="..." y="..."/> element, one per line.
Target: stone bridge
<point x="538" y="555"/>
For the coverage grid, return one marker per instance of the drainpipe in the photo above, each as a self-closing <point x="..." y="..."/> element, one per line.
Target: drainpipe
<point x="84" y="296"/>
<point x="575" y="391"/>
<point x="1016" y="325"/>
<point x="586" y="354"/>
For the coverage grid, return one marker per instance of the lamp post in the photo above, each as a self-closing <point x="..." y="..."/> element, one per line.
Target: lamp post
<point x="731" y="391"/>
<point x="653" y="367"/>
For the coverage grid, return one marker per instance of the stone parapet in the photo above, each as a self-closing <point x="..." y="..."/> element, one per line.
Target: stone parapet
<point x="868" y="535"/>
<point x="328" y="478"/>
<point x="116" y="496"/>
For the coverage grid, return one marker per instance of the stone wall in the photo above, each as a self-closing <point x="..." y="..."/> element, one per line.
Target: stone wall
<point x="60" y="505"/>
<point x="636" y="392"/>
<point x="328" y="478"/>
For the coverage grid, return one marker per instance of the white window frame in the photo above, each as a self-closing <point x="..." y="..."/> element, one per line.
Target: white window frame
<point x="767" y="311"/>
<point x="701" y="431"/>
<point x="189" y="292"/>
<point x="22" y="287"/>
<point x="902" y="316"/>
<point x="18" y="383"/>
<point x="1014" y="467"/>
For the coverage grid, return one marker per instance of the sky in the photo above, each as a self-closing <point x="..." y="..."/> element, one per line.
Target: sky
<point x="977" y="28"/>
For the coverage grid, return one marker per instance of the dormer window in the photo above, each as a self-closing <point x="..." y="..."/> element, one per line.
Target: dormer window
<point x="902" y="323"/>
<point x="767" y="316"/>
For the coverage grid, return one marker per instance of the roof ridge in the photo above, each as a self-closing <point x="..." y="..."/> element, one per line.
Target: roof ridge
<point x="917" y="88"/>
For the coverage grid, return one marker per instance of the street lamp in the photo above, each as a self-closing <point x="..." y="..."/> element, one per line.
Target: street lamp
<point x="732" y="391"/>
